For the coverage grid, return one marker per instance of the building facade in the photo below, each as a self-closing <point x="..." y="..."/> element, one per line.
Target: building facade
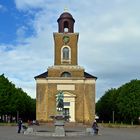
<point x="66" y="75"/>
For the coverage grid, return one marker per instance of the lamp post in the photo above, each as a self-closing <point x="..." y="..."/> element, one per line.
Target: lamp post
<point x="17" y="115"/>
<point x="113" y="113"/>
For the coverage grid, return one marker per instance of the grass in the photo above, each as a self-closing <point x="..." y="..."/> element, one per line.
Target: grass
<point x="117" y="125"/>
<point x="8" y="124"/>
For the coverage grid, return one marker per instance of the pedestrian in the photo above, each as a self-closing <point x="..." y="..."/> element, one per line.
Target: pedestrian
<point x="19" y="125"/>
<point x="95" y="127"/>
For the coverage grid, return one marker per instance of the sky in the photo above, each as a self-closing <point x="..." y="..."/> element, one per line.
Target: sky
<point x="108" y="46"/>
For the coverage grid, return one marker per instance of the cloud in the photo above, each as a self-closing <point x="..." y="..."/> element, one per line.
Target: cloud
<point x="22" y="64"/>
<point x="31" y="55"/>
<point x="109" y="32"/>
<point x="21" y="33"/>
<point x="29" y="4"/>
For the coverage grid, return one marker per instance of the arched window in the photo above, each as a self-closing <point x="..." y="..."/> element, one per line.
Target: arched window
<point x="66" y="26"/>
<point x="66" y="74"/>
<point x="65" y="53"/>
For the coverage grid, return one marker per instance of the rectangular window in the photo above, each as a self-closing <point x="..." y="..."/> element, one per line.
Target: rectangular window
<point x="66" y="103"/>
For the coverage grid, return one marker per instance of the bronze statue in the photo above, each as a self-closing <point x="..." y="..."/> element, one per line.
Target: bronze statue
<point x="59" y="100"/>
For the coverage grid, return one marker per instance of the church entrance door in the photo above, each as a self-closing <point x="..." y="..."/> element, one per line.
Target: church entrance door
<point x="69" y="105"/>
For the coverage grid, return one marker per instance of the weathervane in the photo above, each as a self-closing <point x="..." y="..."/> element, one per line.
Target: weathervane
<point x="65" y="9"/>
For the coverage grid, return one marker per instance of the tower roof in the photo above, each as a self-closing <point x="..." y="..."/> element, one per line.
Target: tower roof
<point x="66" y="15"/>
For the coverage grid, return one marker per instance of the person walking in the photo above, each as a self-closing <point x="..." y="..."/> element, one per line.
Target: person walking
<point x="19" y="125"/>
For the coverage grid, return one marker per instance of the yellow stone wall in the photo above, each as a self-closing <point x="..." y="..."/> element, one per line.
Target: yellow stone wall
<point x="58" y="44"/>
<point x="57" y="71"/>
<point x="84" y="102"/>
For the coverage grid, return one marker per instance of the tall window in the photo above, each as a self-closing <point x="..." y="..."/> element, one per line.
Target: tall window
<point x="66" y="53"/>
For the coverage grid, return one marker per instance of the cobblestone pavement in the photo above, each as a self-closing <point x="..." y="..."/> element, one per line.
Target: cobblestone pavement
<point x="10" y="133"/>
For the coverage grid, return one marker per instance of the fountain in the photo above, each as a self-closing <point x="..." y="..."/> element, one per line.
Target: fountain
<point x="59" y="119"/>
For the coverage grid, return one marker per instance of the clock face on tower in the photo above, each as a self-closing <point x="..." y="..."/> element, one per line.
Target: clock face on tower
<point x="66" y="39"/>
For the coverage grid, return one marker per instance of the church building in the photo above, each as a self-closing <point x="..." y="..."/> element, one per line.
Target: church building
<point x="66" y="75"/>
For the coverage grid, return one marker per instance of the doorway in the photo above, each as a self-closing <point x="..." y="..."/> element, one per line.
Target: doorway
<point x="69" y="105"/>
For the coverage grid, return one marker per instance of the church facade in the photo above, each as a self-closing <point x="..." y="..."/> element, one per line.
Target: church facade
<point x="66" y="75"/>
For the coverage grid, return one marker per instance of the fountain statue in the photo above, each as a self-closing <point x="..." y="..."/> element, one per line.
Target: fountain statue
<point x="60" y="101"/>
<point x="59" y="118"/>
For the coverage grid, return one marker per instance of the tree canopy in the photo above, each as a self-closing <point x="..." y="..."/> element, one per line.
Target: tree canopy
<point x="124" y="102"/>
<point x="14" y="101"/>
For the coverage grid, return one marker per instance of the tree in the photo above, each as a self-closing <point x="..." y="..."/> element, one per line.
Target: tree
<point x="14" y="100"/>
<point x="124" y="101"/>
<point x="128" y="101"/>
<point x="106" y="105"/>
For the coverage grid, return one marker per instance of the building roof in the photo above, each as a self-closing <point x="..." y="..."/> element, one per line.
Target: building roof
<point x="87" y="75"/>
<point x="66" y="15"/>
<point x="45" y="74"/>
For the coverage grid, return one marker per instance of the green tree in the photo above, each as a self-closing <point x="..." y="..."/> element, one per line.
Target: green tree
<point x="107" y="105"/>
<point x="14" y="100"/>
<point x="128" y="101"/>
<point x="124" y="102"/>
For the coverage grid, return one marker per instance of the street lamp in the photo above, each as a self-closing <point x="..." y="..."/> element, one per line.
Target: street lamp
<point x="113" y="113"/>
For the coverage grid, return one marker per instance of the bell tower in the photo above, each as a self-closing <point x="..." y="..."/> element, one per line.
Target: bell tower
<point x="66" y="23"/>
<point x="65" y="41"/>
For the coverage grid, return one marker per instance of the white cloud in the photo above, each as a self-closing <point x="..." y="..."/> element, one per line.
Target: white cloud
<point x="109" y="32"/>
<point x="27" y="4"/>
<point x="21" y="31"/>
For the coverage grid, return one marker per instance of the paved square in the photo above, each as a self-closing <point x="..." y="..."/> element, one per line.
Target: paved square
<point x="10" y="133"/>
